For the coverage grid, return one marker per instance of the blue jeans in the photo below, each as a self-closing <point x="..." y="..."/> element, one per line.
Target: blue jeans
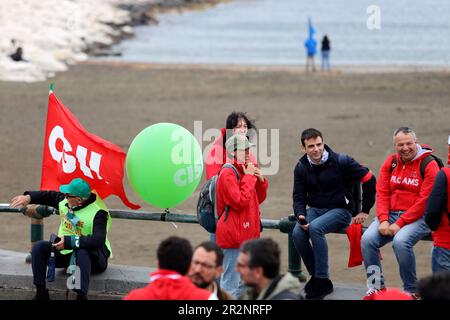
<point x="230" y="279"/>
<point x="440" y="259"/>
<point x="321" y="222"/>
<point x="402" y="243"/>
<point x="326" y="60"/>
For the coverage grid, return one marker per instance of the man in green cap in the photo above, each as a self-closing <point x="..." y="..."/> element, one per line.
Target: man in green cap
<point x="83" y="241"/>
<point x="240" y="190"/>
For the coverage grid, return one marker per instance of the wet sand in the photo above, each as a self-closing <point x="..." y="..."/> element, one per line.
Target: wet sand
<point x="356" y="109"/>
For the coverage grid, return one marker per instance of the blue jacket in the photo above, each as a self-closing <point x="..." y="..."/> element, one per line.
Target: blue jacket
<point x="326" y="185"/>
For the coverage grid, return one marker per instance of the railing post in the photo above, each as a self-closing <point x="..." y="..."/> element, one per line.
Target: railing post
<point x="294" y="260"/>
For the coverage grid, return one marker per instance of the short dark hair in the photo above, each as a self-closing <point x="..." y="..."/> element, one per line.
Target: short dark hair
<point x="405" y="130"/>
<point x="175" y="253"/>
<point x="210" y="246"/>
<point x="233" y="120"/>
<point x="263" y="253"/>
<point x="310" y="133"/>
<point x="435" y="286"/>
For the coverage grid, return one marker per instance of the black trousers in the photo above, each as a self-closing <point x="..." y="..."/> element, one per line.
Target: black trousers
<point x="88" y="260"/>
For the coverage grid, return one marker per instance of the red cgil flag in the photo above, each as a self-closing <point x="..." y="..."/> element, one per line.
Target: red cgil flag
<point x="72" y="152"/>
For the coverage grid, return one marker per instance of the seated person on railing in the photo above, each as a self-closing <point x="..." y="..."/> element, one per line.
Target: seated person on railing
<point x="402" y="190"/>
<point x="83" y="230"/>
<point x="322" y="181"/>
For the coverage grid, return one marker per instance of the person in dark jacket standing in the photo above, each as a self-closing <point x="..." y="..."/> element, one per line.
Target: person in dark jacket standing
<point x="438" y="220"/>
<point x="321" y="182"/>
<point x="259" y="267"/>
<point x="83" y="230"/>
<point x="326" y="48"/>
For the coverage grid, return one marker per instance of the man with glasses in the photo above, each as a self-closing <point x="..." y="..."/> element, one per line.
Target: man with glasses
<point x="206" y="268"/>
<point x="82" y="236"/>
<point x="403" y="188"/>
<point x="170" y="281"/>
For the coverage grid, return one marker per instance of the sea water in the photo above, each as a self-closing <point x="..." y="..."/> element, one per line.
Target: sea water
<point x="272" y="32"/>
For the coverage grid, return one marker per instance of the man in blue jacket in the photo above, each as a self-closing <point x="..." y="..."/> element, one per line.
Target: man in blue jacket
<point x="323" y="181"/>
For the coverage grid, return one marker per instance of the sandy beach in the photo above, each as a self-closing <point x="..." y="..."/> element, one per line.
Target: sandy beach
<point x="356" y="111"/>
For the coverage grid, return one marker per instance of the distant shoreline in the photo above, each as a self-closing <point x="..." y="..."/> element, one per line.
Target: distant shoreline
<point x="337" y="69"/>
<point x="146" y="14"/>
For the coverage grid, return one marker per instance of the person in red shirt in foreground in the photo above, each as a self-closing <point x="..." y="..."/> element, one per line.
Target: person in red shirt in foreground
<point x="170" y="281"/>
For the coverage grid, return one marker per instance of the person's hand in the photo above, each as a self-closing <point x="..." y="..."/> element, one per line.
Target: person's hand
<point x="249" y="169"/>
<point x="20" y="201"/>
<point x="360" y="217"/>
<point x="60" y="244"/>
<point x="393" y="229"/>
<point x="258" y="174"/>
<point x="383" y="228"/>
<point x="302" y="222"/>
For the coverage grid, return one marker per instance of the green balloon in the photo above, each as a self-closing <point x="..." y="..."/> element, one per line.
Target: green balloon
<point x="164" y="164"/>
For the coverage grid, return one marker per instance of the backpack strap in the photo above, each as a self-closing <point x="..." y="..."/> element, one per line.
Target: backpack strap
<point x="229" y="165"/>
<point x="226" y="208"/>
<point x="393" y="164"/>
<point x="423" y="164"/>
<point x="427" y="160"/>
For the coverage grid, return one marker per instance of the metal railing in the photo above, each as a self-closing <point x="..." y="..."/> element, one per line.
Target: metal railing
<point x="284" y="225"/>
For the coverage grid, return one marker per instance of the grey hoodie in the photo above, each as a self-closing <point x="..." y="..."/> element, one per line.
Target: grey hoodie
<point x="284" y="287"/>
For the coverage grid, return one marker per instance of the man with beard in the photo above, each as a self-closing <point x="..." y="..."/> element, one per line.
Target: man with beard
<point x="259" y="266"/>
<point x="206" y="267"/>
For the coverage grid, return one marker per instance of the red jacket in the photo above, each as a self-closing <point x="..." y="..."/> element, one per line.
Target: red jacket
<point x="243" y="197"/>
<point x="441" y="236"/>
<point x="217" y="156"/>
<point x="168" y="285"/>
<point x="404" y="189"/>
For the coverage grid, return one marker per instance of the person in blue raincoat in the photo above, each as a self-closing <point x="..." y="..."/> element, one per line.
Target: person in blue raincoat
<point x="311" y="47"/>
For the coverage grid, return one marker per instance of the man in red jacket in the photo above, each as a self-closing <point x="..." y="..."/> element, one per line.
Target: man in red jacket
<point x="238" y="201"/>
<point x="170" y="282"/>
<point x="401" y="197"/>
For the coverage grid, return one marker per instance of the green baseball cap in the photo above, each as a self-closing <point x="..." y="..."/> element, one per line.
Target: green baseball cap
<point x="77" y="187"/>
<point x="237" y="142"/>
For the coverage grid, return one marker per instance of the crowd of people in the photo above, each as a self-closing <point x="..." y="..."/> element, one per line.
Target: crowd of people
<point x="411" y="202"/>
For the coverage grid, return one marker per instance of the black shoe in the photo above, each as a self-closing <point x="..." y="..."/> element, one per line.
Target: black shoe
<point x="321" y="288"/>
<point x="42" y="294"/>
<point x="309" y="285"/>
